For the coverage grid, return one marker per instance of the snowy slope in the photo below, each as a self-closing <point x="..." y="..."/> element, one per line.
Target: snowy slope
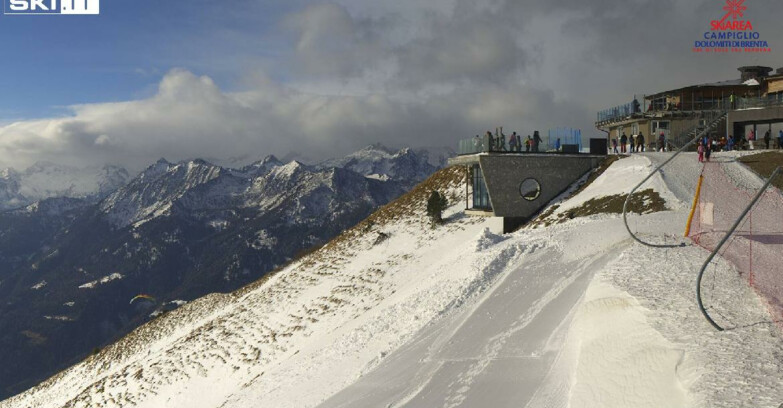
<point x="394" y="313"/>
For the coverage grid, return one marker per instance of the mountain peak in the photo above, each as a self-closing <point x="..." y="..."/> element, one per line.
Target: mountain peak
<point x="262" y="166"/>
<point x="8" y="173"/>
<point x="378" y="146"/>
<point x="270" y="159"/>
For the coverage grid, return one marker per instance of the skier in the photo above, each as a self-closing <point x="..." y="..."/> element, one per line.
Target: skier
<point x="751" y="139"/>
<point x="700" y="149"/>
<point x="730" y="143"/>
<point x="662" y="142"/>
<point x="557" y="145"/>
<point x="512" y="142"/>
<point x="632" y="143"/>
<point x="708" y="149"/>
<point x="766" y="139"/>
<point x="528" y="143"/>
<point x="780" y="139"/>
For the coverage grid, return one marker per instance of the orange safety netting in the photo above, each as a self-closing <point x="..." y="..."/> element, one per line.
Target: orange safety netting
<point x="755" y="248"/>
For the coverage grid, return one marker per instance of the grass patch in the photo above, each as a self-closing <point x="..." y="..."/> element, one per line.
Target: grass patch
<point x="764" y="164"/>
<point x="642" y="202"/>
<point x="545" y="218"/>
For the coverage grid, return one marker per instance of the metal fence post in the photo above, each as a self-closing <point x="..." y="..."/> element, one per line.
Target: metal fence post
<point x="722" y="242"/>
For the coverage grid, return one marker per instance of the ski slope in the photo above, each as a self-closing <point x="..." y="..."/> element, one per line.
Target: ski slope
<point x="573" y="315"/>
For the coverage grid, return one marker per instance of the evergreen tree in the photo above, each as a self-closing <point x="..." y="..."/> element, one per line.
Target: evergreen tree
<point x="435" y="206"/>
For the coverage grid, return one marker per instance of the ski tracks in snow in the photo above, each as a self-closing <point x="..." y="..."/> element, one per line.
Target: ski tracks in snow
<point x="497" y="349"/>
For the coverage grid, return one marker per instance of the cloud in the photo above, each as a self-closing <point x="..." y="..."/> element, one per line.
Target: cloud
<point x="356" y="72"/>
<point x="191" y="117"/>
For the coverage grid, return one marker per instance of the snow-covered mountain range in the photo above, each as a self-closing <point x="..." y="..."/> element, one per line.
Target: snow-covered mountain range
<point x="176" y="231"/>
<point x="406" y="164"/>
<point x="394" y="313"/>
<point x="48" y="180"/>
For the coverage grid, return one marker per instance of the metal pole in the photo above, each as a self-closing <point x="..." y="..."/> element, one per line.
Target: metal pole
<point x="723" y="241"/>
<point x="467" y="181"/>
<point x="657" y="169"/>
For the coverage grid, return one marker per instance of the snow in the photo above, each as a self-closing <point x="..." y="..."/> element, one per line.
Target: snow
<point x="39" y="285"/>
<point x="263" y="240"/>
<point x="101" y="281"/>
<point x="60" y="318"/>
<point x="46" y="180"/>
<point x="572" y="315"/>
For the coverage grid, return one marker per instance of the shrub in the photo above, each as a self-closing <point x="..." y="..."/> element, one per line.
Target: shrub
<point x="435" y="206"/>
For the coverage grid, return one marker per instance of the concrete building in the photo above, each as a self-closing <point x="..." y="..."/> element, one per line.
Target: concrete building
<point x="516" y="186"/>
<point x="724" y="107"/>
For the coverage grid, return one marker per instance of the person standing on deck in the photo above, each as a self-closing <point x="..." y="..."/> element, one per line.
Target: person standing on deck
<point x="640" y="142"/>
<point x="536" y="141"/>
<point x="623" y="143"/>
<point x="491" y="141"/>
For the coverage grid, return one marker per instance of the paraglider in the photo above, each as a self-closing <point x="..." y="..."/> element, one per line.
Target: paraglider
<point x="143" y="297"/>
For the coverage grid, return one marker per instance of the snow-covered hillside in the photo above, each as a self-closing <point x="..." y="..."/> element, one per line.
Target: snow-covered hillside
<point x="394" y="313"/>
<point x="47" y="180"/>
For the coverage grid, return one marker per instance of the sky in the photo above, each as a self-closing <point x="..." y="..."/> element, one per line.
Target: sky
<point x="236" y="81"/>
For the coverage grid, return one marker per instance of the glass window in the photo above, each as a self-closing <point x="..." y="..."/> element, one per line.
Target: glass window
<point x="530" y="189"/>
<point x="480" y="193"/>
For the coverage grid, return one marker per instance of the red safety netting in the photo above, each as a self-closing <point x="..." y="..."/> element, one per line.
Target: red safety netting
<point x="755" y="248"/>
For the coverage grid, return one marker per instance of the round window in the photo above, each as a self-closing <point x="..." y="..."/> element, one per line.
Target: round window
<point x="529" y="189"/>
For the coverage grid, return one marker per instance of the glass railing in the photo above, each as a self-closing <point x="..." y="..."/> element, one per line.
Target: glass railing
<point x="760" y="102"/>
<point x="717" y="103"/>
<point x="618" y="112"/>
<point x="557" y="140"/>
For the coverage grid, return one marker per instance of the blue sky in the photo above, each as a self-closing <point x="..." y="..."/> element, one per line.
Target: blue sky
<point x="237" y="80"/>
<point x="53" y="61"/>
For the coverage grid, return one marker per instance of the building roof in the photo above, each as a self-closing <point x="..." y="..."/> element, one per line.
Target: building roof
<point x="733" y="83"/>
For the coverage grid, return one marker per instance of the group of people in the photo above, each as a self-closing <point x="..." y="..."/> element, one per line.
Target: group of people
<point x="708" y="144"/>
<point x="514" y="143"/>
<point x="738" y="142"/>
<point x="636" y="143"/>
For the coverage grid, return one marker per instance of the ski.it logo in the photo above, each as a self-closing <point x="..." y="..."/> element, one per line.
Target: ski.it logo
<point x="51" y="7"/>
